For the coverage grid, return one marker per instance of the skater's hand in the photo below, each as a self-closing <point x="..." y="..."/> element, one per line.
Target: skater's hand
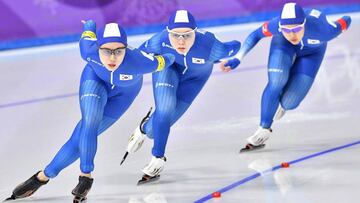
<point x="347" y="20"/>
<point x="228" y="65"/>
<point x="89" y="25"/>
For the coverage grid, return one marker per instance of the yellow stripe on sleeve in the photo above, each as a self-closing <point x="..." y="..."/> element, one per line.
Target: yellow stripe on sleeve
<point x="88" y="34"/>
<point x="161" y="63"/>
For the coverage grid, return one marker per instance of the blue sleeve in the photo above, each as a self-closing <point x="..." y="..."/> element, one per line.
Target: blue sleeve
<point x="332" y="29"/>
<point x="268" y="29"/>
<point x="325" y="28"/>
<point x="153" y="45"/>
<point x="88" y="46"/>
<point x="141" y="62"/>
<point x="87" y="41"/>
<point x="222" y="50"/>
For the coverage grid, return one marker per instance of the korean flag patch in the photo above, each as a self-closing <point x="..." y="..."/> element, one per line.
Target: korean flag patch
<point x="198" y="60"/>
<point x="125" y="77"/>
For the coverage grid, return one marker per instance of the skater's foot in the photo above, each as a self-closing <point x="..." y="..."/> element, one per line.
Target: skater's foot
<point x="137" y="138"/>
<point x="27" y="188"/>
<point x="83" y="187"/>
<point x="260" y="136"/>
<point x="155" y="166"/>
<point x="257" y="140"/>
<point x="152" y="170"/>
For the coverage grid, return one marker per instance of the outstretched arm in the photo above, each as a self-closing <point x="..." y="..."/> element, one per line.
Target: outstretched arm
<point x="252" y="40"/>
<point x="142" y="62"/>
<point x="221" y="50"/>
<point x="334" y="29"/>
<point x="87" y="41"/>
<point x="153" y="45"/>
<point x="266" y="30"/>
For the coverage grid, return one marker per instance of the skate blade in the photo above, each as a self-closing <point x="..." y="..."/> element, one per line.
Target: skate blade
<point x="78" y="199"/>
<point x="250" y="147"/>
<point x="148" y="179"/>
<point x="9" y="199"/>
<point x="125" y="155"/>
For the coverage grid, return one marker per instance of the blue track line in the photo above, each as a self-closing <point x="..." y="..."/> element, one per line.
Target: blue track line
<point x="254" y="176"/>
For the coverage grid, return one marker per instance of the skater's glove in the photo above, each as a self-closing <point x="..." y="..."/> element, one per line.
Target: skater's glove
<point x="344" y="22"/>
<point x="233" y="63"/>
<point x="229" y="65"/>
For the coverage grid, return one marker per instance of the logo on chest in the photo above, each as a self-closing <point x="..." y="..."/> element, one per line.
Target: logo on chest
<point x="125" y="77"/>
<point x="313" y="41"/>
<point x="198" y="60"/>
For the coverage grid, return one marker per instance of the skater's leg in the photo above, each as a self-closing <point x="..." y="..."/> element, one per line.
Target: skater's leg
<point x="180" y="109"/>
<point x="301" y="79"/>
<point x="92" y="102"/>
<point x="280" y="62"/>
<point x="281" y="58"/>
<point x="92" y="95"/>
<point x="296" y="91"/>
<point x="165" y="88"/>
<point x="69" y="152"/>
<point x="186" y="93"/>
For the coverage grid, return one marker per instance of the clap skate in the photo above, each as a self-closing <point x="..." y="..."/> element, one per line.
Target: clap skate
<point x="257" y="140"/>
<point x="27" y="188"/>
<point x="137" y="138"/>
<point x="152" y="170"/>
<point x="82" y="189"/>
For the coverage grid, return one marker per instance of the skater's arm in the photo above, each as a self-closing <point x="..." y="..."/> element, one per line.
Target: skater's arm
<point x="268" y="29"/>
<point x="152" y="45"/>
<point x="87" y="41"/>
<point x="334" y="29"/>
<point x="147" y="58"/>
<point x="142" y="62"/>
<point x="222" y="50"/>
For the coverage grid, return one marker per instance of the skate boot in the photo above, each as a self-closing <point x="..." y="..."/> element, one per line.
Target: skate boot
<point x="82" y="189"/>
<point x="257" y="140"/>
<point x="152" y="170"/>
<point x="27" y="188"/>
<point x="137" y="138"/>
<point x="280" y="112"/>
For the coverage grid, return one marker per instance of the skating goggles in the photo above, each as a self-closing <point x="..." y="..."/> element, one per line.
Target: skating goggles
<point x="184" y="35"/>
<point x="116" y="52"/>
<point x="295" y="29"/>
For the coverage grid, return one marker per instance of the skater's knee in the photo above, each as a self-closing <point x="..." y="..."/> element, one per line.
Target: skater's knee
<point x="164" y="112"/>
<point x="289" y="104"/>
<point x="89" y="122"/>
<point x="276" y="85"/>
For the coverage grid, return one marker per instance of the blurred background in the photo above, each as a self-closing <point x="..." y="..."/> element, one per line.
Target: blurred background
<point x="28" y="23"/>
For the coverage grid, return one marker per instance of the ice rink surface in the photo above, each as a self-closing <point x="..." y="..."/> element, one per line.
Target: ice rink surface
<point x="39" y="109"/>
